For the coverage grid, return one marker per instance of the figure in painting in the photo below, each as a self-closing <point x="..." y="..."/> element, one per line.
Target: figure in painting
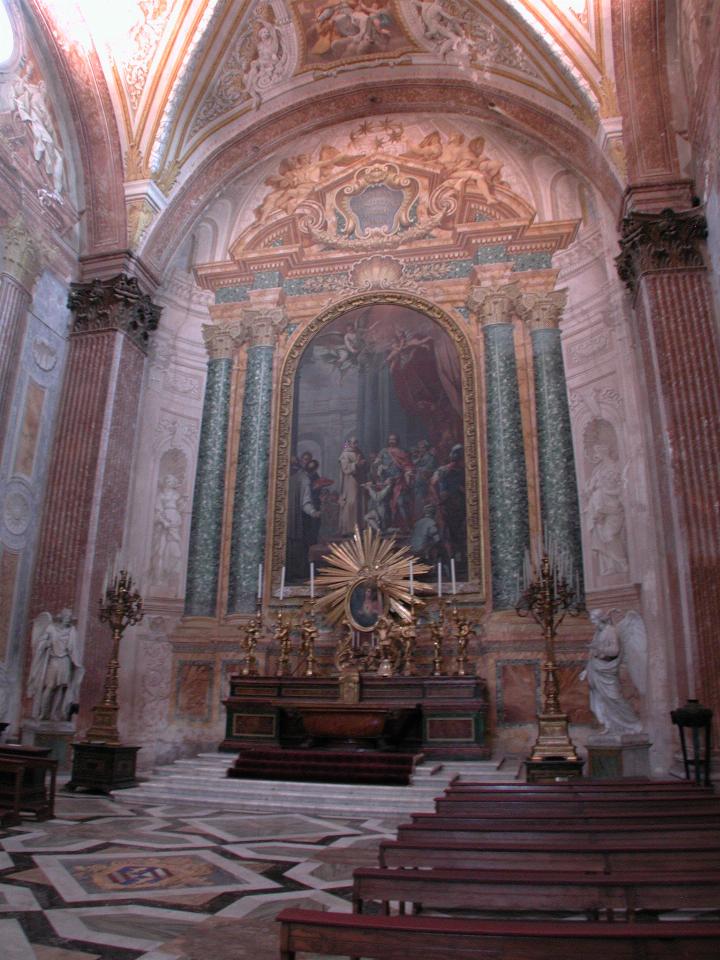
<point x="605" y="511"/>
<point x="351" y="26"/>
<point x="394" y="464"/>
<point x="303" y="516"/>
<point x="366" y="605"/>
<point x="424" y="464"/>
<point x="448" y="486"/>
<point x="425" y="542"/>
<point x="56" y="669"/>
<point x="611" y="647"/>
<point x="352" y="464"/>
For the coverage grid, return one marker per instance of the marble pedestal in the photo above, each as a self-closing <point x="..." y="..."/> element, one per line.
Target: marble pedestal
<point x="55" y="734"/>
<point x="613" y="757"/>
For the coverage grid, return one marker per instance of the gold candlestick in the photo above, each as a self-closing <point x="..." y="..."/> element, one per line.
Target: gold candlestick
<point x="282" y="635"/>
<point x="249" y="642"/>
<point x="437" y="632"/>
<point x="121" y="607"/>
<point x="308" y="636"/>
<point x="548" y="597"/>
<point x="462" y="626"/>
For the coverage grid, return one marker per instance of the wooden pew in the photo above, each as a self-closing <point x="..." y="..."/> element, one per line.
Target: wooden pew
<point x="440" y="938"/>
<point x="510" y="891"/>
<point x="27" y="786"/>
<point x="629" y="787"/>
<point x="621" y="825"/>
<point x="458" y="829"/>
<point x="563" y="808"/>
<point x="699" y="853"/>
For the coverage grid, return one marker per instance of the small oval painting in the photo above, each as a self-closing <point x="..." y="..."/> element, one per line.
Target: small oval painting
<point x="365" y="604"/>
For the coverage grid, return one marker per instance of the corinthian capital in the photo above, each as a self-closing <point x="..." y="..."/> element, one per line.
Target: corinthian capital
<point x="542" y="310"/>
<point x="660" y="241"/>
<point x="264" y="324"/>
<point x="114" y="304"/>
<point x="22" y="255"/>
<point x="223" y="337"/>
<point x="493" y="304"/>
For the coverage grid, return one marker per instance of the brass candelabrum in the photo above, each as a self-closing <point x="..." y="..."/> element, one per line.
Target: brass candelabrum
<point x="437" y="632"/>
<point x="282" y="635"/>
<point x="251" y="632"/>
<point x="308" y="636"/>
<point x="121" y="607"/>
<point x="547" y="597"/>
<point x="463" y="632"/>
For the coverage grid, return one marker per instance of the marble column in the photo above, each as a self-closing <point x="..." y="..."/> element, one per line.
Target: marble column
<point x="20" y="268"/>
<point x="88" y="481"/>
<point x="506" y="468"/>
<point x="662" y="263"/>
<point x="556" y="461"/>
<point x="201" y="592"/>
<point x="250" y="504"/>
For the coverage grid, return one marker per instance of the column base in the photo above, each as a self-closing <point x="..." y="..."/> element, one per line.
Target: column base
<point x="553" y="741"/>
<point x="611" y="758"/>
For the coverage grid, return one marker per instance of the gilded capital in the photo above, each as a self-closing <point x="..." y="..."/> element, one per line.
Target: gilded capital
<point x="263" y="325"/>
<point x="660" y="241"/>
<point x="223" y="337"/>
<point x="542" y="310"/>
<point x="493" y="304"/>
<point x="114" y="304"/>
<point x="22" y="255"/>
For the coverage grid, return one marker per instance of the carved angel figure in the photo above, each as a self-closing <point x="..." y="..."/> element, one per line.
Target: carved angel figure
<point x="442" y="28"/>
<point x="610" y="648"/>
<point x="31" y="102"/>
<point x="264" y="57"/>
<point x="56" y="669"/>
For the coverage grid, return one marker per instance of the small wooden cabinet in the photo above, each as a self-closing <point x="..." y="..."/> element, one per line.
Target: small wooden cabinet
<point x="103" y="767"/>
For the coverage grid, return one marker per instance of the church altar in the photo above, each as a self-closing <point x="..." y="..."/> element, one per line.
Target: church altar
<point x="442" y="717"/>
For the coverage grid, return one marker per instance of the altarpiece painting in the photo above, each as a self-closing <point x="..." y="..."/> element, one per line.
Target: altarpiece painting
<point x="378" y="439"/>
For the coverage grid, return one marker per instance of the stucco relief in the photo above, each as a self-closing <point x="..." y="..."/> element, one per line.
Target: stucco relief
<point x="156" y="685"/>
<point x="603" y="498"/>
<point x="31" y="104"/>
<point x="145" y="34"/>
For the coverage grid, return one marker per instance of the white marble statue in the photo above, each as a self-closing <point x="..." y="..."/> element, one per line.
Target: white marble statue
<point x="30" y="101"/>
<point x="167" y="534"/>
<point x="605" y="511"/>
<point x="56" y="670"/>
<point x="610" y="648"/>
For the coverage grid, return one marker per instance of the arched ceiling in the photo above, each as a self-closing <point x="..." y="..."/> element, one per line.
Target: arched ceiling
<point x="203" y="89"/>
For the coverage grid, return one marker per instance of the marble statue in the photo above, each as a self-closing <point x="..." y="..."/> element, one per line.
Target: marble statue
<point x="167" y="534"/>
<point x="610" y="648"/>
<point x="30" y="101"/>
<point x="56" y="669"/>
<point x="605" y="511"/>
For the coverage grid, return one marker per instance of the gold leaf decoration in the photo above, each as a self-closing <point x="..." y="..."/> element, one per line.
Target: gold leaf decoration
<point x="369" y="556"/>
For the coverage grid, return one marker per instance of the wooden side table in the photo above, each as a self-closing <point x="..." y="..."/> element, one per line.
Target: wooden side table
<point x="102" y="767"/>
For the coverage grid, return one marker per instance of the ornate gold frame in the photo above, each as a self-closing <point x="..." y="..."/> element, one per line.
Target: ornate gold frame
<point x="277" y="533"/>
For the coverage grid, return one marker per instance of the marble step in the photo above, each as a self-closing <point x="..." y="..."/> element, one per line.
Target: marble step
<point x="202" y="779"/>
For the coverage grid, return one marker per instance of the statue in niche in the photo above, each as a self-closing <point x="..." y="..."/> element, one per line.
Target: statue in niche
<point x="30" y="101"/>
<point x="443" y="29"/>
<point x="167" y="535"/>
<point x="605" y="511"/>
<point x="56" y="669"/>
<point x="610" y="648"/>
<point x="264" y="57"/>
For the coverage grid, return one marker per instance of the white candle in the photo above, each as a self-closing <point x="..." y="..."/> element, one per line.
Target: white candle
<point x="312" y="581"/>
<point x="282" y="583"/>
<point x="412" y="583"/>
<point x="440" y="579"/>
<point x="452" y="575"/>
<point x="260" y="576"/>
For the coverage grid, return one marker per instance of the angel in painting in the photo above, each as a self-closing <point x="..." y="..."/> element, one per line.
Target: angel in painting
<point x="610" y="648"/>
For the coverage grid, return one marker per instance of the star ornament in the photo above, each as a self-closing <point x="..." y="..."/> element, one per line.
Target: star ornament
<point x="370" y="558"/>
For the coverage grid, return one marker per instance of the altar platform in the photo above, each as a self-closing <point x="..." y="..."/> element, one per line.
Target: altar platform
<point x="440" y="717"/>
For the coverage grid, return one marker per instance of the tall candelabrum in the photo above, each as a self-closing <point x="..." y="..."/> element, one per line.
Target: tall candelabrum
<point x="120" y="607"/>
<point x="547" y="595"/>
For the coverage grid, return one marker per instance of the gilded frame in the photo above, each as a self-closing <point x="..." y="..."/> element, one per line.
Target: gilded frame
<point x="282" y="426"/>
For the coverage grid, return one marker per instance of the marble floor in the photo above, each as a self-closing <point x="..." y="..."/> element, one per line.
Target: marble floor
<point x="119" y="880"/>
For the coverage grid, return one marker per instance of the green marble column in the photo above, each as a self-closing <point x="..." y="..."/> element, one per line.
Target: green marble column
<point x="250" y="504"/>
<point x="507" y="477"/>
<point x="206" y="526"/>
<point x="558" y="479"/>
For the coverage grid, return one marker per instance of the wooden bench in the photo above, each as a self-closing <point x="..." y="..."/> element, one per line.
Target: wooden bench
<point x="505" y="891"/>
<point x="459" y="829"/>
<point x="542" y="821"/>
<point x="440" y="938"/>
<point x="499" y="854"/>
<point x="563" y="808"/>
<point x="27" y="786"/>
<point x="629" y="787"/>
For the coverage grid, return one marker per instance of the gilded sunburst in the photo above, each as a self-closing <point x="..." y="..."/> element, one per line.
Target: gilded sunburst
<point x="369" y="557"/>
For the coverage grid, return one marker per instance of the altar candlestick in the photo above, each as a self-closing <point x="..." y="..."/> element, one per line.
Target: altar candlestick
<point x="312" y="581"/>
<point x="439" y="580"/>
<point x="260" y="585"/>
<point x="282" y="583"/>
<point x="412" y="583"/>
<point x="452" y="575"/>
